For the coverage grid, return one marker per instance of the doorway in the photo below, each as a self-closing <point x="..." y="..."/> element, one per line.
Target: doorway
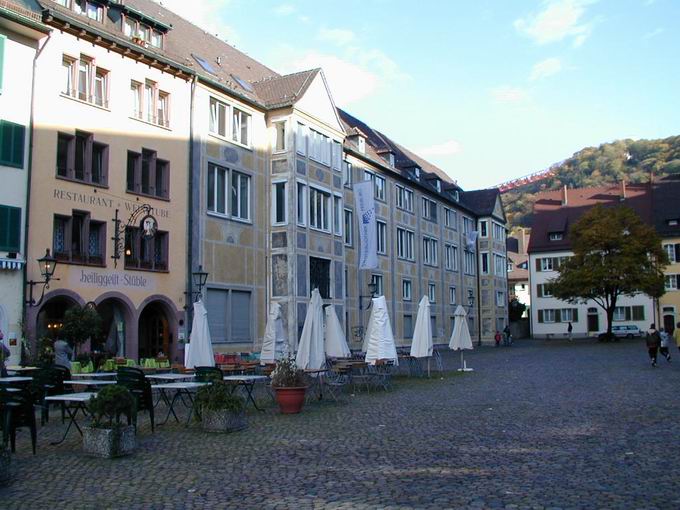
<point x="154" y="331"/>
<point x="669" y="319"/>
<point x="593" y="320"/>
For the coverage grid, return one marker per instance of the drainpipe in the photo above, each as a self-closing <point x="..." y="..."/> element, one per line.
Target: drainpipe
<point x="479" y="293"/>
<point x="29" y="176"/>
<point x="188" y="314"/>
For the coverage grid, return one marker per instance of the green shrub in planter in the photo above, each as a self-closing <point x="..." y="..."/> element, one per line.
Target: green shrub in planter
<point x="107" y="436"/>
<point x="220" y="410"/>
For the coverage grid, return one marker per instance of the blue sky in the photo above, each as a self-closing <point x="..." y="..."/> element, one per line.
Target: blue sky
<point x="488" y="90"/>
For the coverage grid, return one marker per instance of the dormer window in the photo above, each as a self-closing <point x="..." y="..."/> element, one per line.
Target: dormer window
<point x="390" y="159"/>
<point x="142" y="33"/>
<point x="456" y="196"/>
<point x="362" y="144"/>
<point x="555" y="236"/>
<point x="438" y="185"/>
<point x="92" y="10"/>
<point x="416" y="172"/>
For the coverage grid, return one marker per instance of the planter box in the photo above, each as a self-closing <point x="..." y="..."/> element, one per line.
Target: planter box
<point x="290" y="400"/>
<point x="5" y="466"/>
<point x="223" y="421"/>
<point x="109" y="443"/>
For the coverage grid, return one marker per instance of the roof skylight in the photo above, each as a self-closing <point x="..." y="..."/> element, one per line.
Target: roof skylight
<point x="204" y="64"/>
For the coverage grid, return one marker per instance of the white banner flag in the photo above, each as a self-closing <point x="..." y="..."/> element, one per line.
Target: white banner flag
<point x="368" y="236"/>
<point x="472" y="239"/>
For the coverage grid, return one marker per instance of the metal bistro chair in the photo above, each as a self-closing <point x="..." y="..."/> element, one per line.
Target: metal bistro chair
<point x="46" y="382"/>
<point x="140" y="387"/>
<point x="17" y="411"/>
<point x="335" y="382"/>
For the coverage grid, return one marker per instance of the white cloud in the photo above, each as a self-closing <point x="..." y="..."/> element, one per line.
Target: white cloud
<point x="207" y="14"/>
<point x="448" y="148"/>
<point x="545" y="68"/>
<point x="337" y="36"/>
<point x="653" y="33"/>
<point x="559" y="20"/>
<point x="508" y="94"/>
<point x="285" y="10"/>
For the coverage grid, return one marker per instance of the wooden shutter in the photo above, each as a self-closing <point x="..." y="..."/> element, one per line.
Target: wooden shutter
<point x="558" y="315"/>
<point x="2" y="59"/>
<point x="574" y="314"/>
<point x="10" y="229"/>
<point x="677" y="252"/>
<point x="216" y="305"/>
<point x="538" y="265"/>
<point x="540" y="316"/>
<point x="629" y="314"/>
<point x="556" y="263"/>
<point x="539" y="290"/>
<point x="12" y="144"/>
<point x="240" y="317"/>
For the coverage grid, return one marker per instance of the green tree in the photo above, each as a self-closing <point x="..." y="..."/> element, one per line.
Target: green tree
<point x="615" y="254"/>
<point x="80" y="323"/>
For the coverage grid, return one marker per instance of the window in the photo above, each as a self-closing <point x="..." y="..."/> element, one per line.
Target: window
<point x="337" y="215"/>
<point x="12" y="138"/>
<point x="361" y="142"/>
<point x="218" y="117"/>
<point x="498" y="231"/>
<point x="301" y="204"/>
<point x="349" y="227"/>
<point x="320" y="276"/>
<point x="468" y="225"/>
<point x="469" y="261"/>
<point x="217" y="188"/>
<point x="238" y="192"/>
<point x="85" y="81"/>
<point x="229" y="316"/>
<point x="432" y="292"/>
<point x="450" y="218"/>
<point x="404" y="198"/>
<point x="485" y="263"/>
<point x="555" y="236"/>
<point x="79" y="239"/>
<point x="240" y="196"/>
<point x="510" y="266"/>
<point x="543" y="290"/>
<point x="408" y="326"/>
<point x="500" y="298"/>
<point x="673" y="252"/>
<point x="146" y="254"/>
<point x="136" y="99"/>
<point x="301" y="139"/>
<point x="3" y="38"/>
<point x="567" y="314"/>
<point x="347" y="174"/>
<point x="451" y="257"/>
<point x="429" y="251"/>
<point x="381" y="227"/>
<point x="405" y="242"/>
<point x="82" y="159"/>
<point x="429" y="209"/>
<point x="92" y="10"/>
<point x="406" y="290"/>
<point x="548" y="316"/>
<point x="280" y="136"/>
<point x="147" y="175"/>
<point x="336" y="155"/>
<point x="483" y="228"/>
<point x="628" y="313"/>
<point x="499" y="265"/>
<point x="10" y="228"/>
<point x="163" y="109"/>
<point x="240" y="127"/>
<point x="545" y="264"/>
<point x="378" y="184"/>
<point x="279" y="203"/>
<point x="620" y="313"/>
<point x="319" y="205"/>
<point x="452" y="295"/>
<point x="319" y="147"/>
<point x="671" y="282"/>
<point x="377" y="280"/>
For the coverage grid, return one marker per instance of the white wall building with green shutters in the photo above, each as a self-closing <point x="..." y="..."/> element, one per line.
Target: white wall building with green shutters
<point x="19" y="41"/>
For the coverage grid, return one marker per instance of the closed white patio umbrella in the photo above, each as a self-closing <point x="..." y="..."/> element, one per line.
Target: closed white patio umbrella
<point x="274" y="342"/>
<point x="421" y="346"/>
<point x="460" y="338"/>
<point x="379" y="338"/>
<point x="310" y="353"/>
<point x="336" y="343"/>
<point x="199" y="352"/>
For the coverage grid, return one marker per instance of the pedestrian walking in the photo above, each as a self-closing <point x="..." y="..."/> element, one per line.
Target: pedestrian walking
<point x="653" y="339"/>
<point x="62" y="353"/>
<point x="570" y="328"/>
<point x="676" y="335"/>
<point x="498" y="338"/>
<point x="508" y="336"/>
<point x="665" y="344"/>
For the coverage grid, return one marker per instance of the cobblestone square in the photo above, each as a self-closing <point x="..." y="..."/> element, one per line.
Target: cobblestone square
<point x="543" y="424"/>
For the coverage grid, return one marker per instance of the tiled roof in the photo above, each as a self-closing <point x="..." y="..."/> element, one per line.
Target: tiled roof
<point x="481" y="201"/>
<point x="666" y="199"/>
<point x="517" y="273"/>
<point x="550" y="216"/>
<point x="279" y="91"/>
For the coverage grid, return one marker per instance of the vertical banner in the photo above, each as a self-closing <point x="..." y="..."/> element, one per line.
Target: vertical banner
<point x="472" y="240"/>
<point x="368" y="236"/>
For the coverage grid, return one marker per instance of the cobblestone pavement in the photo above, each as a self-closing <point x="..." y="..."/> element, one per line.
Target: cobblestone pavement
<point x="538" y="425"/>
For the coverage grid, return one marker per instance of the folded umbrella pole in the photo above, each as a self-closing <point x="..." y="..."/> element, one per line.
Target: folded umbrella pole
<point x="460" y="338"/>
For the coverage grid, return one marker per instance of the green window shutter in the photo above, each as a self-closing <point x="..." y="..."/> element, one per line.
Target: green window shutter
<point x="558" y="315"/>
<point x="628" y="313"/>
<point x="539" y="290"/>
<point x="540" y="316"/>
<point x="12" y="137"/>
<point x="538" y="265"/>
<point x="2" y="60"/>
<point x="574" y="314"/>
<point x="10" y="228"/>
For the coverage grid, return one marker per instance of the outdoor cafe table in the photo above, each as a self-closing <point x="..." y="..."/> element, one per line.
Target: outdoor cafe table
<point x="17" y="368"/>
<point x="95" y="375"/>
<point x="169" y="377"/>
<point x="247" y="382"/>
<point x="78" y="402"/>
<point x="15" y="380"/>
<point x="90" y="383"/>
<point x="180" y="388"/>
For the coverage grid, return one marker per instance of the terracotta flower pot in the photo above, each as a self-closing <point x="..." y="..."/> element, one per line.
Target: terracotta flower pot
<point x="290" y="400"/>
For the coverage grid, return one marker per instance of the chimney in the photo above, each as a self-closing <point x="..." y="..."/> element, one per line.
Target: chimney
<point x="622" y="197"/>
<point x="565" y="196"/>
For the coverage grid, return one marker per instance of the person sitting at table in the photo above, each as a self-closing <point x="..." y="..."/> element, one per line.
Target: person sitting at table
<point x="62" y="353"/>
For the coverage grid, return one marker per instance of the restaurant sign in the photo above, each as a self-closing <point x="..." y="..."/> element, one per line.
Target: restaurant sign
<point x="110" y="280"/>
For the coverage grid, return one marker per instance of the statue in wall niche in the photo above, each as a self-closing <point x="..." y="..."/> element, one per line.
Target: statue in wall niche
<point x="231" y="240"/>
<point x="320" y="175"/>
<point x="230" y="155"/>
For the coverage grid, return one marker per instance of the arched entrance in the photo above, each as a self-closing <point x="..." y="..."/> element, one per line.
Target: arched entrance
<point x="51" y="316"/>
<point x="115" y="316"/>
<point x="669" y="318"/>
<point x="155" y="335"/>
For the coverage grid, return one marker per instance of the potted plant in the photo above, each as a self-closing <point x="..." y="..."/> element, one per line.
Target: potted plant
<point x="107" y="436"/>
<point x="219" y="409"/>
<point x="80" y="324"/>
<point x="290" y="384"/>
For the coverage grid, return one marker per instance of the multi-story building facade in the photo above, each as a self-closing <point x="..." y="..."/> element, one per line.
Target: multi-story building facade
<point x="518" y="268"/>
<point x="666" y="211"/>
<point x="20" y="34"/>
<point x="109" y="177"/>
<point x="554" y="213"/>
<point x="248" y="175"/>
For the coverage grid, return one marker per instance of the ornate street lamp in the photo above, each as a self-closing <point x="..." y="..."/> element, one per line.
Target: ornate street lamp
<point x="47" y="264"/>
<point x="200" y="278"/>
<point x="372" y="286"/>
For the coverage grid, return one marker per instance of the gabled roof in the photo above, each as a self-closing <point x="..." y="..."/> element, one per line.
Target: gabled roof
<point x="280" y="91"/>
<point x="481" y="201"/>
<point x="666" y="205"/>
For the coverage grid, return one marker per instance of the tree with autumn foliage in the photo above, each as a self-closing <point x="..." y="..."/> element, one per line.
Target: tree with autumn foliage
<point x="615" y="254"/>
